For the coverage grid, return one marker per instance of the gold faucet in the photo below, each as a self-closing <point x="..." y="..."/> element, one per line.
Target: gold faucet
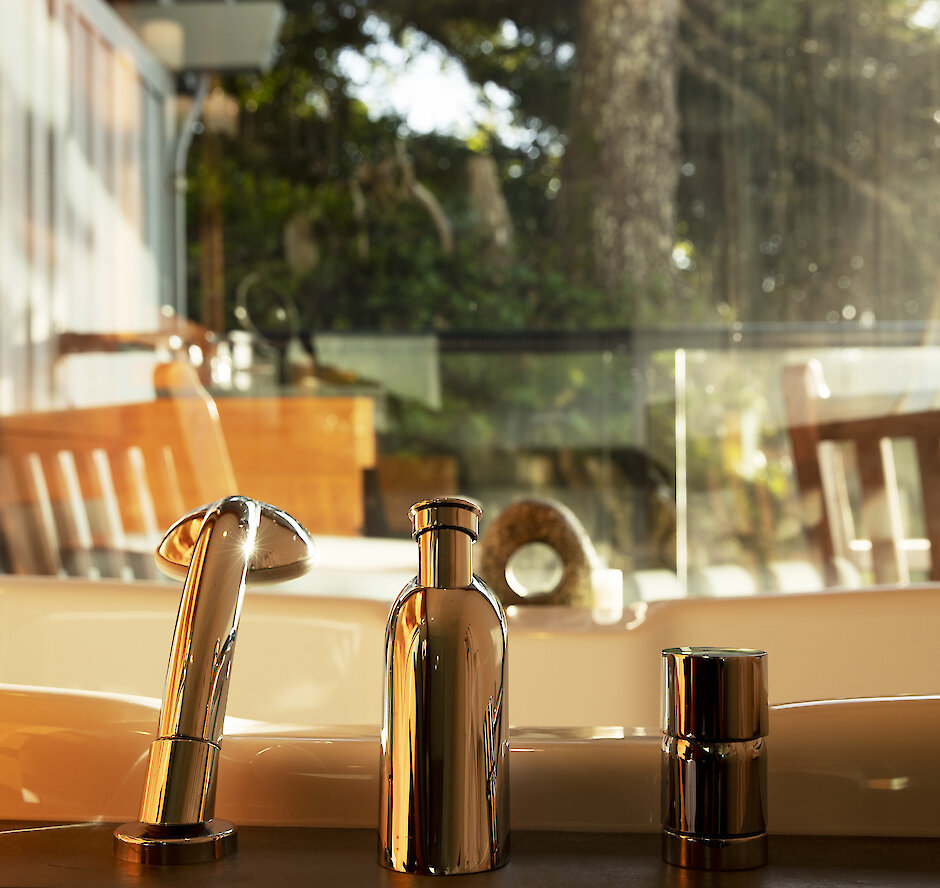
<point x="215" y="549"/>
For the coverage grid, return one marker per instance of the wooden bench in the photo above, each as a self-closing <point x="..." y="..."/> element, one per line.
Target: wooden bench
<point x="833" y="454"/>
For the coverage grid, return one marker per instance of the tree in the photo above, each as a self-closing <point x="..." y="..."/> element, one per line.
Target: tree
<point x="621" y="167"/>
<point x="763" y="160"/>
<point x="810" y="183"/>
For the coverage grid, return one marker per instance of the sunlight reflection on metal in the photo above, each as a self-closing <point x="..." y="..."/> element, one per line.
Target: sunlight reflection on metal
<point x="444" y="774"/>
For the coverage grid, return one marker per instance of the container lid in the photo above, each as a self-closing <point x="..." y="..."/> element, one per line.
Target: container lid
<point x="714" y="694"/>
<point x="446" y="511"/>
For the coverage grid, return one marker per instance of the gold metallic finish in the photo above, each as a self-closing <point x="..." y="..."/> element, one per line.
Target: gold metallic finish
<point x="695" y="852"/>
<point x="283" y="548"/>
<point x="145" y="843"/>
<point x="188" y="796"/>
<point x="219" y="547"/>
<point x="714" y="768"/>
<point x="444" y="559"/>
<point x="204" y="642"/>
<point x="714" y="693"/>
<point x="715" y="789"/>
<point x="444" y="763"/>
<point x="446" y="511"/>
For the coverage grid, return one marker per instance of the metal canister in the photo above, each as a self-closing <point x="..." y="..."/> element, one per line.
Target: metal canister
<point x="714" y="766"/>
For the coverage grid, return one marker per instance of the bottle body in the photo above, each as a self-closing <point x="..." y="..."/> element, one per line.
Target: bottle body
<point x="444" y="768"/>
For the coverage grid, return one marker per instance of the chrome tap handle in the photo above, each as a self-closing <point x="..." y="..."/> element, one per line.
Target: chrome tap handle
<point x="714" y="767"/>
<point x="216" y="548"/>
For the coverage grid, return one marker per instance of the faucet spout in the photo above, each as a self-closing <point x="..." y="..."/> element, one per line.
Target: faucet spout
<point x="220" y="547"/>
<point x="204" y="641"/>
<point x="181" y="776"/>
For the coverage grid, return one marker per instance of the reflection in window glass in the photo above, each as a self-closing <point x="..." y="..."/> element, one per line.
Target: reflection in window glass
<point x="564" y="250"/>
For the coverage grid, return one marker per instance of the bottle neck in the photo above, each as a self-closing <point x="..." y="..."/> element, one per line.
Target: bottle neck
<point x="444" y="558"/>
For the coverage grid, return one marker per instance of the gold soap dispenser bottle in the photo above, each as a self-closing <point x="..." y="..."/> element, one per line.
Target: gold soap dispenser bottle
<point x="444" y="769"/>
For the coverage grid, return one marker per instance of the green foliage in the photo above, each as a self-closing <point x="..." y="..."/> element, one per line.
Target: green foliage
<point x="808" y="148"/>
<point x="809" y="172"/>
<point x="810" y="161"/>
<point x="305" y="140"/>
<point x="509" y="401"/>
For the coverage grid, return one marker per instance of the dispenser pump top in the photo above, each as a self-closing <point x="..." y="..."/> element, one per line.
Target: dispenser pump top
<point x="446" y="512"/>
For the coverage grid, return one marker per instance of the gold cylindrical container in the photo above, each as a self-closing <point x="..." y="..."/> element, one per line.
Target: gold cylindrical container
<point x="444" y="767"/>
<point x="714" y="767"/>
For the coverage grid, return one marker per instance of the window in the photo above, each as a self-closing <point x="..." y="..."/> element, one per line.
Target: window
<point x="620" y="256"/>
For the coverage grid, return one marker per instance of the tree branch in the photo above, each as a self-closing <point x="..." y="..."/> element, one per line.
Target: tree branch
<point x="762" y="114"/>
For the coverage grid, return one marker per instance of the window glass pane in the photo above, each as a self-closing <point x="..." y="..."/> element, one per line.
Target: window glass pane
<point x="643" y="260"/>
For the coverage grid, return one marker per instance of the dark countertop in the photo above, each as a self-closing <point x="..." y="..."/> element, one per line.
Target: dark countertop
<point x="80" y="855"/>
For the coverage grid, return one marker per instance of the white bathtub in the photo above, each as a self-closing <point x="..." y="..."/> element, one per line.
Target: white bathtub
<point x="82" y="667"/>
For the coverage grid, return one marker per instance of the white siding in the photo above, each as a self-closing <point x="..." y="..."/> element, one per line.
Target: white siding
<point x="84" y="207"/>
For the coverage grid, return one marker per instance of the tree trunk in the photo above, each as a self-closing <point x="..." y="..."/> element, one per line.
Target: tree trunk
<point x="621" y="165"/>
<point x="492" y="216"/>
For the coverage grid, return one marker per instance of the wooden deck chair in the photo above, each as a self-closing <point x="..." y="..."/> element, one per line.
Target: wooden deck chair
<point x="88" y="492"/>
<point x="827" y="452"/>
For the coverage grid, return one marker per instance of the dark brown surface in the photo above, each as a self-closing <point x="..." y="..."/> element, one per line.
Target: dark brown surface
<point x="81" y="856"/>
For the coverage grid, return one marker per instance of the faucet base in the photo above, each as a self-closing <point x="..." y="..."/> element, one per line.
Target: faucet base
<point x="149" y="843"/>
<point x="714" y="852"/>
<point x="413" y="868"/>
